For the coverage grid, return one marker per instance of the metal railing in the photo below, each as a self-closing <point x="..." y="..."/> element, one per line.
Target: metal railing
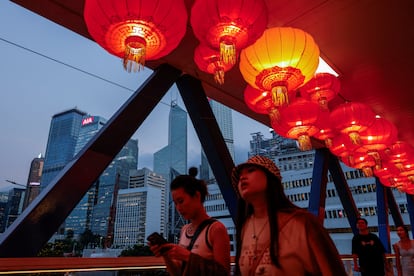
<point x="114" y="266"/>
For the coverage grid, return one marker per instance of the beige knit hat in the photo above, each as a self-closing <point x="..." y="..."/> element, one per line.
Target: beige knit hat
<point x="260" y="161"/>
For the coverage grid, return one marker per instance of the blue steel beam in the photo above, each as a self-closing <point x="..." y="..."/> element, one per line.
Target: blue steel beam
<point x="393" y="207"/>
<point x="36" y="225"/>
<point x="317" y="197"/>
<point x="382" y="213"/>
<point x="344" y="193"/>
<point x="410" y="207"/>
<point x="210" y="137"/>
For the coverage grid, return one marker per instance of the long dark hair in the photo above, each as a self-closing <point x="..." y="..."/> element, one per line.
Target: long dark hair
<point x="276" y="201"/>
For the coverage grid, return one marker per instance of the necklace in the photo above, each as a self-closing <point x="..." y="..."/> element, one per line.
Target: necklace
<point x="189" y="232"/>
<point x="257" y="236"/>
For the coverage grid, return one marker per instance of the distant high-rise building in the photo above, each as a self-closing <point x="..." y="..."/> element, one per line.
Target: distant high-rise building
<point x="115" y="176"/>
<point x="171" y="161"/>
<point x="4" y="196"/>
<point x="14" y="205"/>
<point x="140" y="208"/>
<point x="79" y="219"/>
<point x="69" y="132"/>
<point x="61" y="143"/>
<point x="33" y="181"/>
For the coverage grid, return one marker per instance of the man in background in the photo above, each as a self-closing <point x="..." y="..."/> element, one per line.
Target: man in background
<point x="368" y="248"/>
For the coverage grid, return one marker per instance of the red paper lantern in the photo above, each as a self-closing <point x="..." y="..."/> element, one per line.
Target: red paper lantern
<point x="208" y="60"/>
<point x="322" y="88"/>
<point x="261" y="102"/>
<point x="401" y="183"/>
<point x="136" y="30"/>
<point x="228" y="26"/>
<point x="378" y="137"/>
<point x="387" y="171"/>
<point x="298" y="121"/>
<point x="399" y="153"/>
<point x="326" y="133"/>
<point x="408" y="188"/>
<point x="342" y="147"/>
<point x="390" y="182"/>
<point x="408" y="170"/>
<point x="351" y="118"/>
<point x="362" y="162"/>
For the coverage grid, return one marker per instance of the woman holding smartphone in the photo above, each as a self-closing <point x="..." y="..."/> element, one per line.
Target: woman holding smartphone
<point x="204" y="246"/>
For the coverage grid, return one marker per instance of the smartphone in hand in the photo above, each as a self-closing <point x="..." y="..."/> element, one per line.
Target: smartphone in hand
<point x="156" y="239"/>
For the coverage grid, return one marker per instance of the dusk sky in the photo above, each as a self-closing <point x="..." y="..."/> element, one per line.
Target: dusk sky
<point x="47" y="69"/>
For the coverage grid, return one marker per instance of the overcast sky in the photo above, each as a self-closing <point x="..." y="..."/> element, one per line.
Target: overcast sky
<point x="46" y="69"/>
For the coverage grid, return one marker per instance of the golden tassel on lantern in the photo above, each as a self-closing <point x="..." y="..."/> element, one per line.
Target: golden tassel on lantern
<point x="134" y="59"/>
<point x="227" y="50"/>
<point x="274" y="115"/>
<point x="280" y="96"/>
<point x="355" y="138"/>
<point x="218" y="70"/>
<point x="219" y="76"/>
<point x="304" y="142"/>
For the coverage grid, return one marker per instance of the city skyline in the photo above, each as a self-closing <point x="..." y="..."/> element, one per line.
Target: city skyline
<point x="48" y="69"/>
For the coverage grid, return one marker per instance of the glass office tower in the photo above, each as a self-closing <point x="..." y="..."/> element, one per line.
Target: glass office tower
<point x="80" y="218"/>
<point x="171" y="161"/>
<point x="114" y="177"/>
<point x="61" y="143"/>
<point x="70" y="131"/>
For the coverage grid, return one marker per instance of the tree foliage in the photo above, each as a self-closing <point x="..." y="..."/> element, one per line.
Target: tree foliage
<point x="137" y="250"/>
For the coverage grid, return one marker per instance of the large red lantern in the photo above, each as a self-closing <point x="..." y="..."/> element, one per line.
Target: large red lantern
<point x="326" y="132"/>
<point x="399" y="153"/>
<point x="322" y="88"/>
<point x="351" y="118"/>
<point x="261" y="102"/>
<point x="228" y="26"/>
<point x="342" y="147"/>
<point x="136" y="30"/>
<point x="208" y="60"/>
<point x="378" y="137"/>
<point x="387" y="171"/>
<point x="362" y="162"/>
<point x="298" y="121"/>
<point x="280" y="61"/>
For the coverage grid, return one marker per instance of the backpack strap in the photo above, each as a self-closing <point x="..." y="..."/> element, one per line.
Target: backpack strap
<point x="198" y="231"/>
<point x="207" y="240"/>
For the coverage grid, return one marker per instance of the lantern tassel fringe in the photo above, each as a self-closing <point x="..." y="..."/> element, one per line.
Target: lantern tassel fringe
<point x="228" y="53"/>
<point x="134" y="59"/>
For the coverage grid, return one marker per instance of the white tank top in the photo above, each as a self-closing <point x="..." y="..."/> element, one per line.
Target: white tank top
<point x="200" y="246"/>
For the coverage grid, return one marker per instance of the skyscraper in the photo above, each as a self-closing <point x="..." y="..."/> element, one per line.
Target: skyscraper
<point x="171" y="161"/>
<point x="61" y="143"/>
<point x="114" y="177"/>
<point x="14" y="205"/>
<point x="80" y="218"/>
<point x="69" y="132"/>
<point x="33" y="181"/>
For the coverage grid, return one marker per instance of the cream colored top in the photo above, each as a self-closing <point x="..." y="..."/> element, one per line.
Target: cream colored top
<point x="305" y="248"/>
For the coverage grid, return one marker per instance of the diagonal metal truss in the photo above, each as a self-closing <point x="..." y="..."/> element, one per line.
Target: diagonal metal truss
<point x="36" y="225"/>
